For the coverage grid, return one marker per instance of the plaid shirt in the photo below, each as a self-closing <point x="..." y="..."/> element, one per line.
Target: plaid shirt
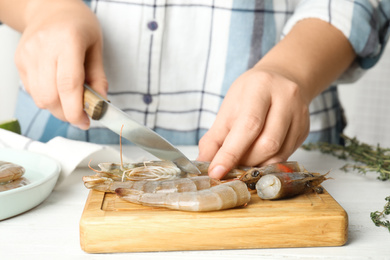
<point x="170" y="63"/>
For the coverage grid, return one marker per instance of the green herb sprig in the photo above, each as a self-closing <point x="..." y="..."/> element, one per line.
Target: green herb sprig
<point x="378" y="217"/>
<point x="368" y="159"/>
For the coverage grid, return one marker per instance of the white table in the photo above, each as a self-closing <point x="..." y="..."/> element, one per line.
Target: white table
<point x="51" y="230"/>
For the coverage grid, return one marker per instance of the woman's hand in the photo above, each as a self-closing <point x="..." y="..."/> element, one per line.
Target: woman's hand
<point x="60" y="49"/>
<point x="264" y="118"/>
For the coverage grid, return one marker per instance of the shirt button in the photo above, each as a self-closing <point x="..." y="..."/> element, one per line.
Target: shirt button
<point x="152" y="25"/>
<point x="147" y="99"/>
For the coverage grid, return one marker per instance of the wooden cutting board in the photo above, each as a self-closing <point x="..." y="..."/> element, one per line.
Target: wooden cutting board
<point x="109" y="224"/>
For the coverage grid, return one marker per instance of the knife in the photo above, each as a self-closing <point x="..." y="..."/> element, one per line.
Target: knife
<point x="98" y="108"/>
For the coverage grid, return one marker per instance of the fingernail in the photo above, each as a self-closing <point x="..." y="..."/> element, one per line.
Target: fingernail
<point x="217" y="172"/>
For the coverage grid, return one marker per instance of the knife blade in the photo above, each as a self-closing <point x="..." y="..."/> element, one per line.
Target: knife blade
<point x="98" y="108"/>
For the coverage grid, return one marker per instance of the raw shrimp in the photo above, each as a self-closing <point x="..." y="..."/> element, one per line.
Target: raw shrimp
<point x="10" y="171"/>
<point x="281" y="185"/>
<point x="232" y="174"/>
<point x="199" y="193"/>
<point x="166" y="186"/>
<point x="224" y="196"/>
<point x="154" y="170"/>
<point x="20" y="182"/>
<point x="157" y="170"/>
<point x="163" y="184"/>
<point x="252" y="175"/>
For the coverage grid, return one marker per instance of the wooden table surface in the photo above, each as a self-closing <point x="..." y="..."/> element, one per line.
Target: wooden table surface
<point x="51" y="230"/>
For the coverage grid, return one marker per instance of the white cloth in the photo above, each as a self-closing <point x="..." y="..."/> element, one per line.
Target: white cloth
<point x="68" y="153"/>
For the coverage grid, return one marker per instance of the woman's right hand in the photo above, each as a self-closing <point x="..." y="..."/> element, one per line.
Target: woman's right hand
<point x="60" y="49"/>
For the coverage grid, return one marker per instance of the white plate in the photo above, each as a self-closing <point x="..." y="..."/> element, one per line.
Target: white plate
<point x="41" y="171"/>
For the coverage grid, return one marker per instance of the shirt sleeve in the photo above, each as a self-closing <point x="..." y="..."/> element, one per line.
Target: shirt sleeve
<point x="364" y="23"/>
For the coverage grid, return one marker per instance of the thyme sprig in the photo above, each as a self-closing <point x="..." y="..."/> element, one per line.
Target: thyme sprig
<point x="368" y="159"/>
<point x="378" y="217"/>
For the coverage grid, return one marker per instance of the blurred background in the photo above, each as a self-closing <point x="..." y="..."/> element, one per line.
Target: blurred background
<point x="8" y="74"/>
<point x="366" y="102"/>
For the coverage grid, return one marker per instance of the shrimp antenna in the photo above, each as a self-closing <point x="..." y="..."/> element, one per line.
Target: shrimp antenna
<point x="120" y="147"/>
<point x="90" y="167"/>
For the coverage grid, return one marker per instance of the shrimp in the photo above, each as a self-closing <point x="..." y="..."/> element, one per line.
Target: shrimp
<point x="281" y="185"/>
<point x="163" y="184"/>
<point x="224" y="196"/>
<point x="105" y="184"/>
<point x="147" y="185"/>
<point x="20" y="182"/>
<point x="252" y="175"/>
<point x="199" y="193"/>
<point x="155" y="170"/>
<point x="10" y="171"/>
<point x="232" y="174"/>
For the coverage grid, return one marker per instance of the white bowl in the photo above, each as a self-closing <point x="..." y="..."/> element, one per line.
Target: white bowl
<point x="41" y="171"/>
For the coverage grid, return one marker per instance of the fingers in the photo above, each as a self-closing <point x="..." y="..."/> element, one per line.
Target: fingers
<point x="272" y="138"/>
<point x="56" y="53"/>
<point x="271" y="122"/>
<point x="237" y="142"/>
<point x="45" y="93"/>
<point x="94" y="70"/>
<point x="297" y="132"/>
<point x="73" y="70"/>
<point x="247" y="125"/>
<point x="295" y="136"/>
<point x="212" y="141"/>
<point x="286" y="127"/>
<point x="39" y="77"/>
<point x="55" y="82"/>
<point x="70" y="79"/>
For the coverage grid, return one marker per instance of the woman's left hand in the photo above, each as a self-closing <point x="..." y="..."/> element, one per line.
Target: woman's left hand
<point x="264" y="118"/>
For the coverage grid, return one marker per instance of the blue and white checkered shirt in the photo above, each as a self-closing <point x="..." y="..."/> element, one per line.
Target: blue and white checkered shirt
<point x="170" y="63"/>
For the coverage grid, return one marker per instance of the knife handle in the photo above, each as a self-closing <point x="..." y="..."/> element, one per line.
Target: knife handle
<point x="93" y="103"/>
